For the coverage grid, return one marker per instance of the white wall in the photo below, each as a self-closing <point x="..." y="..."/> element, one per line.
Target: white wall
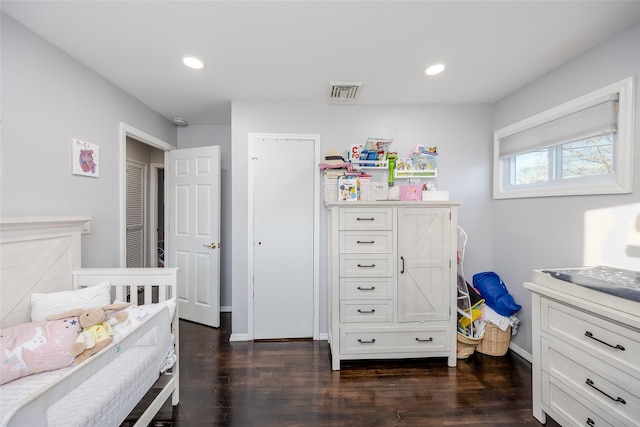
<point x="552" y="232"/>
<point x="461" y="133"/>
<point x="48" y="98"/>
<point x="201" y="136"/>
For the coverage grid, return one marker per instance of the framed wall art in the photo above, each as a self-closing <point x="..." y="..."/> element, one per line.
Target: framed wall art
<point x="85" y="158"/>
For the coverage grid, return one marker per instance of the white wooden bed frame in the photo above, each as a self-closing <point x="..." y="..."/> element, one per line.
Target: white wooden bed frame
<point x="42" y="254"/>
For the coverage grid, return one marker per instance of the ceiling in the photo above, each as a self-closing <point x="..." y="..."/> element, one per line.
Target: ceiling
<point x="265" y="51"/>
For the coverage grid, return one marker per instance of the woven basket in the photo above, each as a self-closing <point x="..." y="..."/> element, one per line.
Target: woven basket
<point x="495" y="341"/>
<point x="466" y="345"/>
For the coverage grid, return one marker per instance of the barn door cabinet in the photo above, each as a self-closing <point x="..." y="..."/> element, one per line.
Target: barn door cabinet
<point x="392" y="280"/>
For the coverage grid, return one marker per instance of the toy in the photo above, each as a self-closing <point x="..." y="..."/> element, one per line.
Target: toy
<point x="97" y="332"/>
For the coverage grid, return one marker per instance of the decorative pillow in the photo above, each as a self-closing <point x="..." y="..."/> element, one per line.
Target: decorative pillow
<point x="52" y="303"/>
<point x="31" y="348"/>
<point x="138" y="314"/>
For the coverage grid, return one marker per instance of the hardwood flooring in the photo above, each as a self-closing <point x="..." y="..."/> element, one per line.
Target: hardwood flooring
<point x="291" y="383"/>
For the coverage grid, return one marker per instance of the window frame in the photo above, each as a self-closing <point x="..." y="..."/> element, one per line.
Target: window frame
<point x="620" y="181"/>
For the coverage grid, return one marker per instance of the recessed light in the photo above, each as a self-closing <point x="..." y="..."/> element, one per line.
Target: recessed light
<point x="193" y="62"/>
<point x="434" y="69"/>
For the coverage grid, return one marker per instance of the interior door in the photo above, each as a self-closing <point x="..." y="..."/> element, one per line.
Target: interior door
<point x="283" y="245"/>
<point x="193" y="234"/>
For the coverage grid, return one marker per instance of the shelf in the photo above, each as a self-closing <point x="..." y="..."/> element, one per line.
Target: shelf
<point x="371" y="164"/>
<point x="416" y="173"/>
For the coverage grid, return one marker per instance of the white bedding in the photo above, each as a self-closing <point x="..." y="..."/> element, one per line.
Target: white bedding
<point x="120" y="375"/>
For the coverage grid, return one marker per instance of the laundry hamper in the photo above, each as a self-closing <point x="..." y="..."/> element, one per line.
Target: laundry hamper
<point x="466" y="345"/>
<point x="495" y="341"/>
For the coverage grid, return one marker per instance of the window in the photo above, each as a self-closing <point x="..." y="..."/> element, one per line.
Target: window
<point x="584" y="146"/>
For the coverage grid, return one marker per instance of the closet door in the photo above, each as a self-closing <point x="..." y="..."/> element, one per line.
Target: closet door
<point x="136" y="174"/>
<point x="424" y="268"/>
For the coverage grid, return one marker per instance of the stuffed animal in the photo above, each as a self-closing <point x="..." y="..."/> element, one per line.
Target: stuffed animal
<point x="96" y="330"/>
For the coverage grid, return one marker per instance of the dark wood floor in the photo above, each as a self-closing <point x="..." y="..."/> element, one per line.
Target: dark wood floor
<point x="292" y="384"/>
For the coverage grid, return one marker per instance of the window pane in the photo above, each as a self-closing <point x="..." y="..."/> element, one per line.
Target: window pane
<point x="588" y="157"/>
<point x="531" y="167"/>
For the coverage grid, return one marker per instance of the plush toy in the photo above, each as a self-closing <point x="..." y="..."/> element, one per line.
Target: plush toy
<point x="96" y="330"/>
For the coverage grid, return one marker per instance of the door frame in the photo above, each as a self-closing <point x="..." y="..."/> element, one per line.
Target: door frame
<point x="143" y="137"/>
<point x="153" y="213"/>
<point x="316" y="227"/>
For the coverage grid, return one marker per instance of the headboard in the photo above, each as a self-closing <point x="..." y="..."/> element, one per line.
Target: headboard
<point x="37" y="254"/>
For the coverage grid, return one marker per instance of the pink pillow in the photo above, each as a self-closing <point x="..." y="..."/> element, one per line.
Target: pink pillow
<point x="30" y="348"/>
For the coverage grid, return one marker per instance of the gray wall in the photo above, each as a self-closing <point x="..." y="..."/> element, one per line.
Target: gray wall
<point x="552" y="232"/>
<point x="461" y="133"/>
<point x="48" y="98"/>
<point x="201" y="136"/>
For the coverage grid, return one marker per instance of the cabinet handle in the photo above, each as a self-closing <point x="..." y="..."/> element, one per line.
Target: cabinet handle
<point x="373" y="310"/>
<point x="365" y="219"/>
<point x="367" y="242"/>
<point x="590" y="335"/>
<point x="371" y="288"/>
<point x="402" y="269"/>
<point x="615" y="399"/>
<point x="423" y="340"/>
<point x="371" y="341"/>
<point x="590" y="422"/>
<point x="366" y="266"/>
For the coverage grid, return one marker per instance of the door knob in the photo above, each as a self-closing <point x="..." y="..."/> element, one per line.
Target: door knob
<point x="212" y="246"/>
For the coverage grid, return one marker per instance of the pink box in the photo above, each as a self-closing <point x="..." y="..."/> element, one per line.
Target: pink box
<point x="411" y="192"/>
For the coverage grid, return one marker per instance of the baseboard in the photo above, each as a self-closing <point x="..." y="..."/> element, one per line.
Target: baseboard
<point x="323" y="337"/>
<point x="239" y="337"/>
<point x="225" y="309"/>
<point x="521" y="352"/>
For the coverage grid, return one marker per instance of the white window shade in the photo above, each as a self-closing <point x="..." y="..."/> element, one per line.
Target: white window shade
<point x="596" y="118"/>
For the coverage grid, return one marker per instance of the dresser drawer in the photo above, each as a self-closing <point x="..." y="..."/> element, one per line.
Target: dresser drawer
<point x="365" y="311"/>
<point x="606" y="340"/>
<point x="366" y="219"/>
<point x="363" y="265"/>
<point x="366" y="242"/>
<point x="574" y="411"/>
<point x="369" y="289"/>
<point x="356" y="341"/>
<point x="613" y="393"/>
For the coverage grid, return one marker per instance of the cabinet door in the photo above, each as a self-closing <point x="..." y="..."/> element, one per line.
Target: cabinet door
<point x="424" y="264"/>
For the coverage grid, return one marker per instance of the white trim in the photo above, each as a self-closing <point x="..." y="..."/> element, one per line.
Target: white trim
<point x="129" y="131"/>
<point x="251" y="231"/>
<point x="521" y="352"/>
<point x="623" y="160"/>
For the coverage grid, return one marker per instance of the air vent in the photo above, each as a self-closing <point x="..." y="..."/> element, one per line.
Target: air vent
<point x="344" y="91"/>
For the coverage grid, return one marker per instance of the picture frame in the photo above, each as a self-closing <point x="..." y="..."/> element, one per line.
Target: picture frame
<point x="85" y="158"/>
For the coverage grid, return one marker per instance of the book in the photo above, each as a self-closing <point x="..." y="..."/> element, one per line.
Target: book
<point x="349" y="189"/>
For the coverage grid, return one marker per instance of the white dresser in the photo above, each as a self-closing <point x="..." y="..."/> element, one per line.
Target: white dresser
<point x="392" y="280"/>
<point x="586" y="354"/>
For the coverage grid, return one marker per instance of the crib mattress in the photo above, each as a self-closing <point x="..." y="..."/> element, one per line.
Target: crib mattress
<point x="99" y="392"/>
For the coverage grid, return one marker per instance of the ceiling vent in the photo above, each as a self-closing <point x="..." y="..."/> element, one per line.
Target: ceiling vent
<point x="344" y="91"/>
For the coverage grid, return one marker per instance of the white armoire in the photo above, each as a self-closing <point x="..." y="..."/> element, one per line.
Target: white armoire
<point x="392" y="280"/>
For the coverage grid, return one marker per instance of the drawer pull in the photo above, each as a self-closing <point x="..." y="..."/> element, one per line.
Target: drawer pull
<point x="369" y="242"/>
<point x="370" y="288"/>
<point x="402" y="269"/>
<point x="615" y="399"/>
<point x="590" y="422"/>
<point x="590" y="335"/>
<point x="373" y="310"/>
<point x="371" y="341"/>
<point x="366" y="266"/>
<point x="365" y="219"/>
<point x="423" y="340"/>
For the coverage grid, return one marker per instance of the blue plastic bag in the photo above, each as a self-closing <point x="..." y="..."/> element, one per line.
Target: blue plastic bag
<point x="495" y="293"/>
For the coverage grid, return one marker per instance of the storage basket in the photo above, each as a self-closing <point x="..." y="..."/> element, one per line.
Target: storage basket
<point x="411" y="192"/>
<point x="466" y="345"/>
<point x="495" y="341"/>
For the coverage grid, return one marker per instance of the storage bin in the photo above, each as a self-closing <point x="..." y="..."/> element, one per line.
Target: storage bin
<point x="411" y="192"/>
<point x="495" y="341"/>
<point x="435" y="195"/>
<point x="330" y="190"/>
<point x="466" y="345"/>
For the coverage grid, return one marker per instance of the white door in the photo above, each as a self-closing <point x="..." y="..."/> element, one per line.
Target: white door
<point x="284" y="173"/>
<point x="136" y="184"/>
<point x="193" y="234"/>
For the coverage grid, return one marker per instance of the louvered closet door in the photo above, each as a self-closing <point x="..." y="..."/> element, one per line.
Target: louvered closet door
<point x="136" y="173"/>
